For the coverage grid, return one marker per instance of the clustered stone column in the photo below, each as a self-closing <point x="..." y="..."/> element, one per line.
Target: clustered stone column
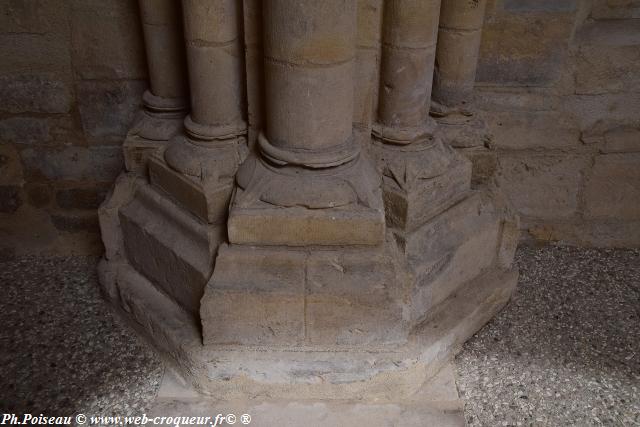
<point x="213" y="147"/>
<point x="166" y="101"/>
<point x="407" y="145"/>
<point x="459" y="39"/>
<point x="309" y="163"/>
<point x="295" y="269"/>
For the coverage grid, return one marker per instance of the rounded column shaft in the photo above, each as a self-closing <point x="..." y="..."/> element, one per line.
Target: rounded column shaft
<point x="162" y="27"/>
<point x="216" y="69"/>
<point x="309" y="53"/>
<point x="410" y="31"/>
<point x="458" y="49"/>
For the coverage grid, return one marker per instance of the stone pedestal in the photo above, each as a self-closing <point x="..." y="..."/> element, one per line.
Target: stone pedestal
<point x="312" y="271"/>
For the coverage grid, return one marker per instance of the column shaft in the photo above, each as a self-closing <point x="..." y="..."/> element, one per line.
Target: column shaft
<point x="458" y="48"/>
<point x="162" y="27"/>
<point x="410" y="30"/>
<point x="216" y="67"/>
<point x="309" y="53"/>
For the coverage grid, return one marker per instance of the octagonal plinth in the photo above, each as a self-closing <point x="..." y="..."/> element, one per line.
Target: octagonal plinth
<point x="330" y="323"/>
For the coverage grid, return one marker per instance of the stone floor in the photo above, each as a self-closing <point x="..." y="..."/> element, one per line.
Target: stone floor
<point x="565" y="351"/>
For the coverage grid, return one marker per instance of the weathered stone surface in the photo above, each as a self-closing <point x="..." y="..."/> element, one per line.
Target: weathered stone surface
<point x="621" y="140"/>
<point x="540" y="5"/>
<point x="169" y="246"/>
<point x="33" y="17"/>
<point x="10" y="199"/>
<point x="608" y="57"/>
<point x="120" y="195"/>
<point x="75" y="223"/>
<point x="612" y="189"/>
<point x="72" y="163"/>
<point x="10" y="165"/>
<point x="354" y="298"/>
<point x="409" y="202"/>
<point x="451" y="249"/>
<point x="38" y="195"/>
<point x="232" y="372"/>
<point x="615" y="9"/>
<point x="255" y="297"/>
<point x="81" y="198"/>
<point x="25" y="130"/>
<point x="536" y="130"/>
<point x="208" y="199"/>
<point x="542" y="186"/>
<point x="46" y="53"/>
<point x="107" y="40"/>
<point x="484" y="164"/>
<point x="524" y="49"/>
<point x="34" y="92"/>
<point x="107" y="108"/>
<point x="611" y="109"/>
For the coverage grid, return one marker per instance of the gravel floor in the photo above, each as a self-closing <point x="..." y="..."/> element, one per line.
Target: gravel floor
<point x="565" y="351"/>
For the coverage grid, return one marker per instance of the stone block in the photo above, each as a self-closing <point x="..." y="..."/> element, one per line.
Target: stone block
<point x="614" y="109"/>
<point x="208" y="200"/>
<point x="621" y="140"/>
<point x="75" y="223"/>
<point x="255" y="297"/>
<point x="297" y="226"/>
<point x="540" y="5"/>
<point x="72" y="163"/>
<point x="25" y="130"/>
<point x="88" y="198"/>
<point x="137" y="151"/>
<point x="10" y="165"/>
<point x="33" y="17"/>
<point x="612" y="189"/>
<point x="524" y="49"/>
<point x="354" y="298"/>
<point x="451" y="249"/>
<point x="120" y="195"/>
<point x="542" y="186"/>
<point x="533" y="130"/>
<point x="107" y="40"/>
<point x="10" y="199"/>
<point x="27" y="52"/>
<point x="38" y="195"/>
<point x="615" y="9"/>
<point x="169" y="246"/>
<point x="409" y="209"/>
<point x="607" y="58"/>
<point x="31" y="92"/>
<point x="108" y="108"/>
<point x="484" y="164"/>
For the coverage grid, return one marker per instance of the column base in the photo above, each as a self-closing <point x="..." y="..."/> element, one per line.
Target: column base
<point x="204" y="182"/>
<point x="436" y="403"/>
<point x="151" y="131"/>
<point x="296" y="206"/>
<point x="167" y="245"/>
<point x="420" y="180"/>
<point x="465" y="132"/>
<point x="316" y="322"/>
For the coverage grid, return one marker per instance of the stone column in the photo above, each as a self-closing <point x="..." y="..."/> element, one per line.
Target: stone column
<point x="410" y="31"/>
<point x="166" y="101"/>
<point x="409" y="151"/>
<point x="205" y="160"/>
<point x="309" y="185"/>
<point x="459" y="39"/>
